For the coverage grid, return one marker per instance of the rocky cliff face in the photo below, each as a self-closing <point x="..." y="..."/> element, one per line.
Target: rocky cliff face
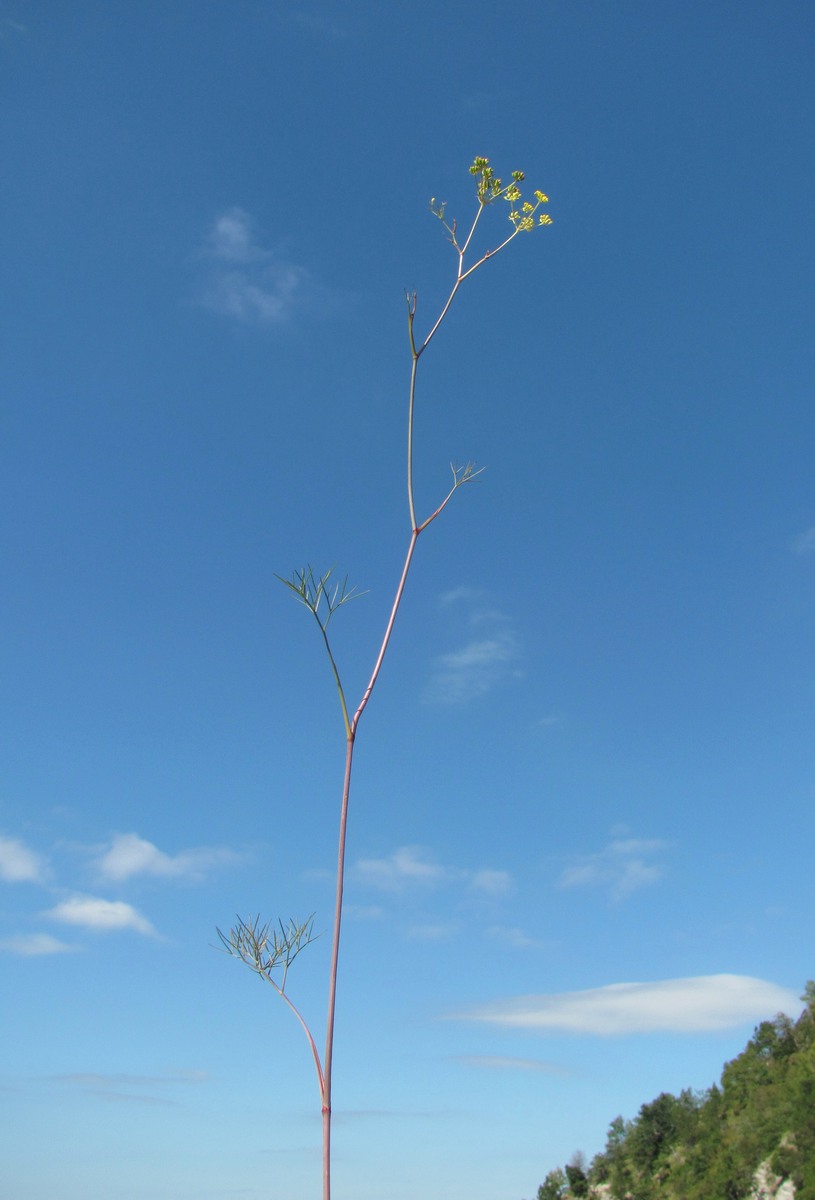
<point x="767" y="1186"/>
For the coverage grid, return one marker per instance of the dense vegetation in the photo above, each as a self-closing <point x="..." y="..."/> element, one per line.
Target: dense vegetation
<point x="708" y="1145"/>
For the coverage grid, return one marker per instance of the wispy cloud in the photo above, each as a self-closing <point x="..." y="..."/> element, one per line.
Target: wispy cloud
<point x="32" y="945"/>
<point x="805" y="542"/>
<point x="503" y="1062"/>
<point x="407" y="865"/>
<point x="623" y="866"/>
<point x="412" y="866"/>
<point x="697" y="1005"/>
<point x="91" y="912"/>
<point x="18" y="864"/>
<point x="9" y="26"/>
<point x="474" y="669"/>
<point x="512" y="935"/>
<point x="134" y="1088"/>
<point x="364" y="912"/>
<point x="488" y="657"/>
<point x="432" y="932"/>
<point x="232" y="240"/>
<point x="247" y="281"/>
<point x="492" y="883"/>
<point x="549" y="722"/>
<point x="316" y="23"/>
<point x="128" y="855"/>
<point x="463" y="594"/>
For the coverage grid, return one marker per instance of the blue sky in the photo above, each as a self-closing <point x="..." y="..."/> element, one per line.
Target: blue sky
<point x="581" y="830"/>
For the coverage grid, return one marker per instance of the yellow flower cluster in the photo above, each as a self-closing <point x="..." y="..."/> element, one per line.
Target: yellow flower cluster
<point x="489" y="188"/>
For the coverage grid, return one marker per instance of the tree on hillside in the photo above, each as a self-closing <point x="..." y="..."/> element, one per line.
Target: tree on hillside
<point x="554" y="1186"/>
<point x="708" y="1146"/>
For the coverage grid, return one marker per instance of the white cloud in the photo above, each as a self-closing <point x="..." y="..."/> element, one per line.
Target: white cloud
<point x="493" y="883"/>
<point x="473" y="670"/>
<point x="623" y="866"/>
<point x="232" y="238"/>
<point x="18" y="864"/>
<point x="268" y="302"/>
<point x="461" y="594"/>
<point x="412" y="865"/>
<point x="511" y="935"/>
<point x="698" y="1005"/>
<point x="549" y="721"/>
<point x="502" y="1062"/>
<point x="805" y="542"/>
<point x="91" y="912"/>
<point x="98" y="1080"/>
<point x="364" y="912"/>
<point x="487" y="658"/>
<point x="246" y="281"/>
<point x="129" y="855"/>
<point x="324" y="26"/>
<point x="131" y="1088"/>
<point x="31" y="945"/>
<point x="408" y="864"/>
<point x="9" y="26"/>
<point x="430" y="932"/>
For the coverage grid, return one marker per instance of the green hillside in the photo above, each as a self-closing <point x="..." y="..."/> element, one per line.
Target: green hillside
<point x="708" y="1145"/>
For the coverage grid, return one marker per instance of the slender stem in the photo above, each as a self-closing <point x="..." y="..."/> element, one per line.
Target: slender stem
<point x="326" y="1153"/>
<point x="412" y="397"/>
<point x="328" y="1060"/>
<point x="440" y="509"/>
<point x="461" y="275"/>
<point x="489" y="254"/>
<point x="336" y="672"/>
<point x="414" y="537"/>
<point x="444" y="311"/>
<point x="463" y="249"/>
<point x="351" y="727"/>
<point x="314" y="1052"/>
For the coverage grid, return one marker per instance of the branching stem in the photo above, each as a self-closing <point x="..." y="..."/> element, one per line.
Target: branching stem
<point x="459" y="477"/>
<point x="265" y="952"/>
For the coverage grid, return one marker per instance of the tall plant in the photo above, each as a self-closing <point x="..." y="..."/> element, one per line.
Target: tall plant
<point x="269" y="949"/>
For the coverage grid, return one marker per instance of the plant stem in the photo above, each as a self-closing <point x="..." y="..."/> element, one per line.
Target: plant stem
<point x="328" y="1061"/>
<point x="351" y="727"/>
<point x="306" y="1030"/>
